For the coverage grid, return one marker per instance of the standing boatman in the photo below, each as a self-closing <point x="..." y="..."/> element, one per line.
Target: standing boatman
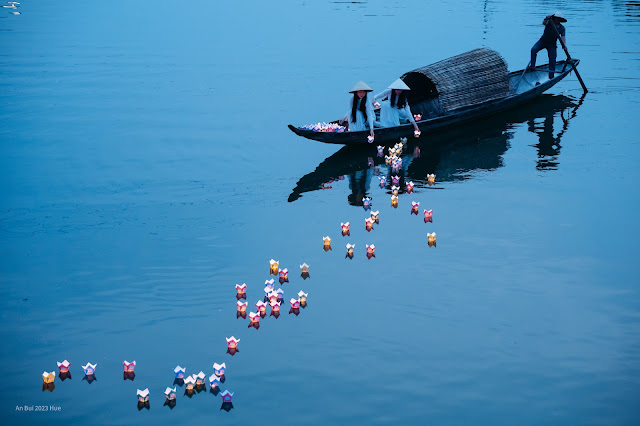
<point x="548" y="41"/>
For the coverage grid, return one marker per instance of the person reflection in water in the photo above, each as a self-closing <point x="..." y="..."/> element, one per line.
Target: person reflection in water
<point x="359" y="185"/>
<point x="548" y="145"/>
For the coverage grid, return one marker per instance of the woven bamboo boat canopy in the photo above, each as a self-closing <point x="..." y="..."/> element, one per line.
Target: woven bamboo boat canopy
<point x="463" y="80"/>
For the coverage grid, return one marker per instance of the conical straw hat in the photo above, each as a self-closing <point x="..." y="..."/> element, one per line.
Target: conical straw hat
<point x="560" y="16"/>
<point x="361" y="85"/>
<point x="399" y="84"/>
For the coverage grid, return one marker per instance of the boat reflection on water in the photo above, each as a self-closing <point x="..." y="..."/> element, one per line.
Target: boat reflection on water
<point x="452" y="155"/>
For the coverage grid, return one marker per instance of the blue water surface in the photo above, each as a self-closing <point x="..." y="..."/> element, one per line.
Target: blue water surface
<point x="147" y="168"/>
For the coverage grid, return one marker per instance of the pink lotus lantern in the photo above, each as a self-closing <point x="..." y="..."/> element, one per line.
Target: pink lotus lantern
<point x="371" y="251"/>
<point x="370" y="139"/>
<point x="409" y="187"/>
<point x="261" y="306"/>
<point x="295" y="303"/>
<point x="388" y="159"/>
<point x="129" y="366"/>
<point x="64" y="366"/>
<point x="395" y="180"/>
<point x="366" y="202"/>
<point x="417" y="117"/>
<point x="254" y="317"/>
<point x="394" y="201"/>
<point x="345" y="228"/>
<point x="380" y="150"/>
<point x="232" y="342"/>
<point x="431" y="179"/>
<point x="242" y="306"/>
<point x="414" y="207"/>
<point x="368" y="222"/>
<point x="283" y="275"/>
<point x="428" y="216"/>
<point x="394" y="190"/>
<point x="275" y="306"/>
<point x="241" y="288"/>
<point x="383" y="181"/>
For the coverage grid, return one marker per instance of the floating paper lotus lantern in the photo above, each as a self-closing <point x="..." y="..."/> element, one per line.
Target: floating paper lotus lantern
<point x="370" y="139"/>
<point x="89" y="369"/>
<point x="275" y="307"/>
<point x="219" y="369"/>
<point x="371" y="251"/>
<point x="226" y="396"/>
<point x="388" y="160"/>
<point x="383" y="181"/>
<point x="417" y="117"/>
<point x="368" y="223"/>
<point x="392" y="150"/>
<point x="375" y="216"/>
<point x="214" y="381"/>
<point x="179" y="372"/>
<point x="302" y="296"/>
<point x="254" y="317"/>
<point x="380" y="150"/>
<point x="366" y="202"/>
<point x="273" y="297"/>
<point x="170" y="393"/>
<point x="283" y="276"/>
<point x="403" y="139"/>
<point x="304" y="271"/>
<point x="232" y="342"/>
<point x="394" y="190"/>
<point x="326" y="243"/>
<point x="395" y="180"/>
<point x="295" y="303"/>
<point x="431" y="179"/>
<point x="394" y="201"/>
<point x="200" y="378"/>
<point x="129" y="366"/>
<point x="273" y="267"/>
<point x="432" y="237"/>
<point x="428" y="216"/>
<point x="242" y="306"/>
<point x="345" y="228"/>
<point x="410" y="187"/>
<point x="143" y="395"/>
<point x="241" y="288"/>
<point x="190" y="382"/>
<point x="48" y="377"/>
<point x="261" y="306"/>
<point x="350" y="248"/>
<point x="64" y="366"/>
<point x="280" y="294"/>
<point x="417" y="133"/>
<point x="414" y="207"/>
<point x="395" y="167"/>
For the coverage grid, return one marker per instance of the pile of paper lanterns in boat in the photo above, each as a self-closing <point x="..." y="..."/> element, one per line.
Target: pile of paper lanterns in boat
<point x="325" y="127"/>
<point x="196" y="382"/>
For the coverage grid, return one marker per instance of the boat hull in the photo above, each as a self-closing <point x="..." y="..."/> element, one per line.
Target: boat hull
<point x="525" y="86"/>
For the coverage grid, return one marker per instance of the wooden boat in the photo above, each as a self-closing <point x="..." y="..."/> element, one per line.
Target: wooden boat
<point x="465" y="87"/>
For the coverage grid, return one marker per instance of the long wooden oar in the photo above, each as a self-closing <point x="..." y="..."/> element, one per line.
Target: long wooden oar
<point x="522" y="75"/>
<point x="564" y="46"/>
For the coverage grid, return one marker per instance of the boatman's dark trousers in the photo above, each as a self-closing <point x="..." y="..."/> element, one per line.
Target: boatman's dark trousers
<point x="552" y="50"/>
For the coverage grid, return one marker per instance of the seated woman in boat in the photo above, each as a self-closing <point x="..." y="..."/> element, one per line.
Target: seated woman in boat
<point x="394" y="106"/>
<point x="360" y="115"/>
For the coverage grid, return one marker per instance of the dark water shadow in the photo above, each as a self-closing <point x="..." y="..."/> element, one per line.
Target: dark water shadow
<point x="453" y="155"/>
